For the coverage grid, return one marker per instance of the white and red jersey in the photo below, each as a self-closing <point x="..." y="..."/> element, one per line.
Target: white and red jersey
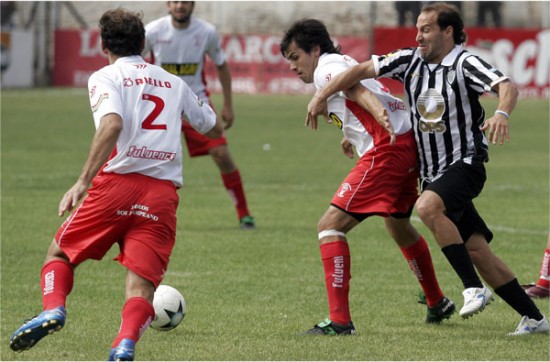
<point x="151" y="103"/>
<point x="182" y="51"/>
<point x="357" y="124"/>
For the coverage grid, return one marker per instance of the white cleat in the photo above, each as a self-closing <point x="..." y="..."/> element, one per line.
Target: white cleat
<point x="530" y="326"/>
<point x="475" y="300"/>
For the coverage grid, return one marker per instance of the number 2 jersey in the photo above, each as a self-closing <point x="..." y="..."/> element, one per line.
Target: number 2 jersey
<point x="182" y="51"/>
<point x="357" y="124"/>
<point x="151" y="103"/>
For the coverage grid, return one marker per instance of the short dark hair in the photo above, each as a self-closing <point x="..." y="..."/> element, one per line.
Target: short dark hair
<point x="122" y="32"/>
<point x="308" y="33"/>
<point x="448" y="15"/>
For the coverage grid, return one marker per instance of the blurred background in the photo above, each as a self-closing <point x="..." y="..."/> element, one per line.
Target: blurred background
<point x="56" y="44"/>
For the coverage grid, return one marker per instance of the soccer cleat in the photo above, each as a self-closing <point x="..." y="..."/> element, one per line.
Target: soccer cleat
<point x="530" y="326"/>
<point x="475" y="300"/>
<point x="422" y="298"/>
<point x="247" y="223"/>
<point x="32" y="331"/>
<point x="443" y="310"/>
<point x="123" y="352"/>
<point x="327" y="327"/>
<point x="536" y="291"/>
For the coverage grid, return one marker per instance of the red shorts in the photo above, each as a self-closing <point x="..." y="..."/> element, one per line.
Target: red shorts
<point x="136" y="211"/>
<point x="383" y="182"/>
<point x="197" y="143"/>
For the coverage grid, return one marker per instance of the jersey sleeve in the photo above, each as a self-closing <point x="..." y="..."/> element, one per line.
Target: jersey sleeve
<point x="197" y="112"/>
<point x="104" y="96"/>
<point x="214" y="48"/>
<point x="480" y="75"/>
<point x="326" y="71"/>
<point x="394" y="64"/>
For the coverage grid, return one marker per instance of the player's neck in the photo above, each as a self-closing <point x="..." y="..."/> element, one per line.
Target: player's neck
<point x="181" y="25"/>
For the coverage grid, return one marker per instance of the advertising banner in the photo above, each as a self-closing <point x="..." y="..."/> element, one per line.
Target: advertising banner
<point x="77" y="54"/>
<point x="257" y="65"/>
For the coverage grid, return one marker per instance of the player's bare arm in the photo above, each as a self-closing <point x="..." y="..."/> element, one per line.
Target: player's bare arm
<point x="216" y="131"/>
<point x="367" y="100"/>
<point x="103" y="144"/>
<point x="497" y="125"/>
<point x="227" y="109"/>
<point x="345" y="80"/>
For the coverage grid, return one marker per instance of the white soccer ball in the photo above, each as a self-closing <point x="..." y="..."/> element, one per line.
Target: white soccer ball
<point x="169" y="307"/>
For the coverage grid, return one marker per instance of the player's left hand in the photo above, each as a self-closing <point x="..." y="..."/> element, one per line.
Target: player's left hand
<point x="497" y="127"/>
<point x="227" y="117"/>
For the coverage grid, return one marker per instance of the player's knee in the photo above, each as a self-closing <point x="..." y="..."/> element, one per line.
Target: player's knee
<point x="426" y="210"/>
<point x="222" y="158"/>
<point x="328" y="236"/>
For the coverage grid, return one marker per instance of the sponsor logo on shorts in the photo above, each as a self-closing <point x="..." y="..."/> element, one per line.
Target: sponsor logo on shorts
<point x="138" y="210"/>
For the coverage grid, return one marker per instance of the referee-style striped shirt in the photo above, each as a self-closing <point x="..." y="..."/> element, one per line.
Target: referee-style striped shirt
<point x="444" y="103"/>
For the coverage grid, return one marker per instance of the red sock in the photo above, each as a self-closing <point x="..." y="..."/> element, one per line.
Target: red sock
<point x="420" y="262"/>
<point x="234" y="185"/>
<point x="56" y="282"/>
<point x="544" y="280"/>
<point x="137" y="315"/>
<point x="337" y="265"/>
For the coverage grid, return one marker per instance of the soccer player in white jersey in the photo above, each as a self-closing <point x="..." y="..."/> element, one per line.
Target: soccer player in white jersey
<point x="383" y="182"/>
<point x="134" y="167"/>
<point x="443" y="83"/>
<point x="179" y="42"/>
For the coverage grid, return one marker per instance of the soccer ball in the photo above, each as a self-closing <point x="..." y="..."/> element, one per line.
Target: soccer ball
<point x="169" y="307"/>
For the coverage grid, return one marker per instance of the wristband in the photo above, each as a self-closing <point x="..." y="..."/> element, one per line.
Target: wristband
<point x="498" y="111"/>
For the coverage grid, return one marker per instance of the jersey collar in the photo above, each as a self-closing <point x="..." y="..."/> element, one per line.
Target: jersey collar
<point x="451" y="57"/>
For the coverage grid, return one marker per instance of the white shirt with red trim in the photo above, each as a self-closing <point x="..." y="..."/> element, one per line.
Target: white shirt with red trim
<point x="357" y="124"/>
<point x="151" y="103"/>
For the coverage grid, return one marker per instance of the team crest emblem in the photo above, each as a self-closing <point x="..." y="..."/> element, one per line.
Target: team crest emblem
<point x="343" y="189"/>
<point x="451" y="76"/>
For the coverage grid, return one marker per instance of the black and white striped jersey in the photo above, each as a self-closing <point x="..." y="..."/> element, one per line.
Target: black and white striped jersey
<point x="444" y="100"/>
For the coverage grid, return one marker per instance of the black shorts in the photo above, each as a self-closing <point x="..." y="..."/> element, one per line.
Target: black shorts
<point x="457" y="187"/>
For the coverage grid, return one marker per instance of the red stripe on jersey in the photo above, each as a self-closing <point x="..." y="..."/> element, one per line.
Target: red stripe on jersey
<point x="378" y="133"/>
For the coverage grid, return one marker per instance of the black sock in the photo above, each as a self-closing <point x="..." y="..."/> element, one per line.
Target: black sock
<point x="513" y="294"/>
<point x="458" y="257"/>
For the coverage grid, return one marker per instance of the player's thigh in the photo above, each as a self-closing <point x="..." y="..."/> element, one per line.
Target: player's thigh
<point x="458" y="186"/>
<point x="97" y="223"/>
<point x="147" y="246"/>
<point x="336" y="219"/>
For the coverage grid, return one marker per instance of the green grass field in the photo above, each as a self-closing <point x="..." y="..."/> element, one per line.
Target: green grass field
<point x="250" y="293"/>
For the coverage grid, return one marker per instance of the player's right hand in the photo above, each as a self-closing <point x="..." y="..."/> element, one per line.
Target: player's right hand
<point x="315" y="108"/>
<point x="71" y="197"/>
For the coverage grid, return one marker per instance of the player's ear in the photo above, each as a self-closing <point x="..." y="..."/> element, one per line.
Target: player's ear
<point x="142" y="46"/>
<point x="104" y="48"/>
<point x="316" y="50"/>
